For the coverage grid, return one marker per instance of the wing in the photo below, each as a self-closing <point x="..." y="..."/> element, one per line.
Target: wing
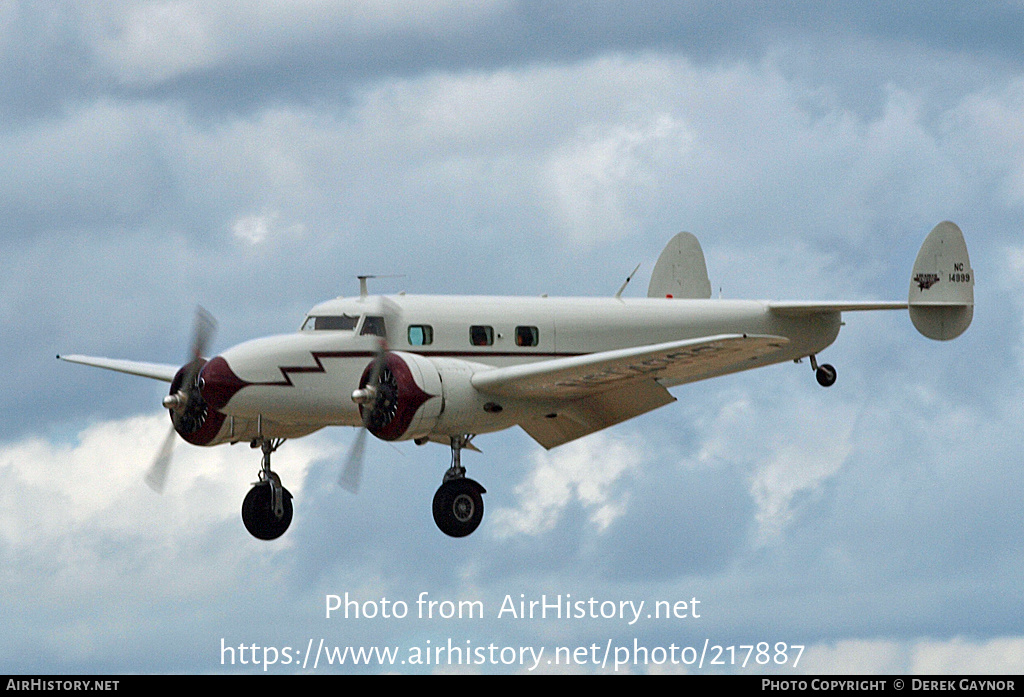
<point x="580" y="376"/>
<point x="156" y="371"/>
<point x="591" y="392"/>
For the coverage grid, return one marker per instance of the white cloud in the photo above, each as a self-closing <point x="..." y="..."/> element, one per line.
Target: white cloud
<point x="1011" y="281"/>
<point x="999" y="656"/>
<point x="81" y="509"/>
<point x="788" y="451"/>
<point x="988" y="127"/>
<point x="956" y="656"/>
<point x="798" y="461"/>
<point x="721" y="429"/>
<point x="146" y="43"/>
<point x="259" y="228"/>
<point x="585" y="471"/>
<point x="854" y="657"/>
<point x="151" y="42"/>
<point x="589" y="153"/>
<point x="597" y="182"/>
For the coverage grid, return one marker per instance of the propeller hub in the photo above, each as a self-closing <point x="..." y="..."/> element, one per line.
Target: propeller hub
<point x="176" y="401"/>
<point x="364" y="395"/>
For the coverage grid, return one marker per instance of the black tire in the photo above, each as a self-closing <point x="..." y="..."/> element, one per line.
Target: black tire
<point x="826" y="375"/>
<point x="258" y="513"/>
<point x="458" y="507"/>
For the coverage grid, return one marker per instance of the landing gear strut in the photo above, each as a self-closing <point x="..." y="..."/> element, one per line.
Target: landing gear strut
<point x="267" y="508"/>
<point x="458" y="503"/>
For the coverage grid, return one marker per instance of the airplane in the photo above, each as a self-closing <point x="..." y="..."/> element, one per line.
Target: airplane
<point x="447" y="369"/>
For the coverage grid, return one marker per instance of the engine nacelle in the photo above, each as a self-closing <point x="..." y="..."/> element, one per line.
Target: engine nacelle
<point x="418" y="396"/>
<point x="194" y="418"/>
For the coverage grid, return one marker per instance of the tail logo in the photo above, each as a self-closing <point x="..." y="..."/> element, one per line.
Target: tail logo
<point x="925" y="281"/>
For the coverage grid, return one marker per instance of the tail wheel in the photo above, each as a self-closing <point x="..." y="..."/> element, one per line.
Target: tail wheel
<point x="459" y="507"/>
<point x="826" y="375"/>
<point x="258" y="513"/>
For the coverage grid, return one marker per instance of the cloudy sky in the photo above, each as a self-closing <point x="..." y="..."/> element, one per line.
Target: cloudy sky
<point x="254" y="157"/>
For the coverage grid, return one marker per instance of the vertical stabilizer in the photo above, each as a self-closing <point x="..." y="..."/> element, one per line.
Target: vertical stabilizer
<point x="942" y="285"/>
<point x="681" y="271"/>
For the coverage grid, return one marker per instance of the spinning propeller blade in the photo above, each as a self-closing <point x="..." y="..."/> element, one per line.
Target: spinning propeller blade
<point x="202" y="332"/>
<point x="177" y="403"/>
<point x="156" y="477"/>
<point x="367" y="395"/>
<point x="353" y="472"/>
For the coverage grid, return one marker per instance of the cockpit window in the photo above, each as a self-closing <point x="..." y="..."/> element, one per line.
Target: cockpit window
<point x="344" y="322"/>
<point x="373" y="326"/>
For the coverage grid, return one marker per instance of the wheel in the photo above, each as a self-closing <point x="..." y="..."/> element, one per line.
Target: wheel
<point x="258" y="513"/>
<point x="458" y="507"/>
<point x="826" y="375"/>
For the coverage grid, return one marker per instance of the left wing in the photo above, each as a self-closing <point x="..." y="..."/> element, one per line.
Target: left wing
<point x="579" y="376"/>
<point x="156" y="371"/>
<point x="592" y="392"/>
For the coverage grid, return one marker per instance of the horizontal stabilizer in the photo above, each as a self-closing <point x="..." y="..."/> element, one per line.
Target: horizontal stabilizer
<point x="941" y="296"/>
<point x="799" y="308"/>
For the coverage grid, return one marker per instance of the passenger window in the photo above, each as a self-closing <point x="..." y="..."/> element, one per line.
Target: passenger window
<point x="481" y="336"/>
<point x="527" y="336"/>
<point x="373" y="326"/>
<point x="421" y="335"/>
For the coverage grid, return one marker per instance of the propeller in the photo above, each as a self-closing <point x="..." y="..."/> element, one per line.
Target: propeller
<point x="187" y="406"/>
<point x="156" y="477"/>
<point x="369" y="397"/>
<point x="366" y="398"/>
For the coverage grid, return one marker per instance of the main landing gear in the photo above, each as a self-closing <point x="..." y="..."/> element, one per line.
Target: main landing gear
<point x="267" y="508"/>
<point x="458" y="503"/>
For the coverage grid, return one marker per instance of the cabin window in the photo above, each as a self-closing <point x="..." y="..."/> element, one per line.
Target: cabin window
<point x="481" y="336"/>
<point x="330" y="322"/>
<point x="373" y="326"/>
<point x="527" y="336"/>
<point x="421" y="335"/>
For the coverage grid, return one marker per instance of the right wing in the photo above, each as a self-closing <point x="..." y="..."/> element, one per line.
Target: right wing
<point x="155" y="371"/>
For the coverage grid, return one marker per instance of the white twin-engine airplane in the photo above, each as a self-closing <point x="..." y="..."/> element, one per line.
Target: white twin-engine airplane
<point x="446" y="369"/>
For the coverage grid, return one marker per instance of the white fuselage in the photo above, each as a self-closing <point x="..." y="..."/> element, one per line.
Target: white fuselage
<point x="298" y="383"/>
